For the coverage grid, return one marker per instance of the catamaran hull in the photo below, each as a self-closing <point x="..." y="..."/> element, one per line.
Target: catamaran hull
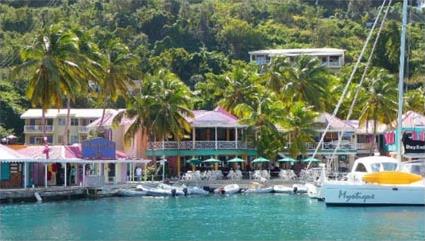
<point x="372" y="194"/>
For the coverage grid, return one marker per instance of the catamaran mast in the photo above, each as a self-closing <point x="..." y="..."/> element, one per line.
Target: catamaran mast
<point x="401" y="78"/>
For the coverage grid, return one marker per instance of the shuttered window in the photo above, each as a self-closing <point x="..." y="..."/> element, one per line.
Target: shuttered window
<point x="5" y="171"/>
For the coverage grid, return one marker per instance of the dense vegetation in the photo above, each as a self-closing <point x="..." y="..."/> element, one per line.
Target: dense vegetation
<point x="95" y="48"/>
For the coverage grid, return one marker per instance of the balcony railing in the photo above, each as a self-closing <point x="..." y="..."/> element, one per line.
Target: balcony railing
<point x="37" y="128"/>
<point x="345" y="145"/>
<point x="190" y="145"/>
<point x="83" y="129"/>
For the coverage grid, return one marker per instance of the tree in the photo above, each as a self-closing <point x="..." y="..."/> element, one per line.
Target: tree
<point x="379" y="104"/>
<point x="118" y="64"/>
<point x="55" y="73"/>
<point x="302" y="79"/>
<point x="159" y="110"/>
<point x="298" y="127"/>
<point x="415" y="100"/>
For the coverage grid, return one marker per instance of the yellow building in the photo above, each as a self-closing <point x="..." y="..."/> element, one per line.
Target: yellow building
<point x="55" y="125"/>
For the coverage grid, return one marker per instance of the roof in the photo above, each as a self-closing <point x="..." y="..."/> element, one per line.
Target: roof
<point x="214" y="118"/>
<point x="335" y="122"/>
<point x="53" y="113"/>
<point x="10" y="154"/>
<point x="367" y="128"/>
<point x="59" y="152"/>
<point x="412" y="119"/>
<point x="296" y="52"/>
<point x="202" y="118"/>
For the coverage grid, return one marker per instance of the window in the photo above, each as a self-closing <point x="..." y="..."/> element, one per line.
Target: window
<point x="360" y="168"/>
<point x="62" y="121"/>
<point x="5" y="171"/>
<point x="74" y="122"/>
<point x="389" y="166"/>
<point x="74" y="139"/>
<point x="376" y="167"/>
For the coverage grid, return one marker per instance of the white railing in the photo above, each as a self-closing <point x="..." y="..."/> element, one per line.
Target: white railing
<point x="37" y="128"/>
<point x="190" y="145"/>
<point x="83" y="129"/>
<point x="333" y="64"/>
<point x="332" y="145"/>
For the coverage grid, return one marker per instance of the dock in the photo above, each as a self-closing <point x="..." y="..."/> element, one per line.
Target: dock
<point x="57" y="193"/>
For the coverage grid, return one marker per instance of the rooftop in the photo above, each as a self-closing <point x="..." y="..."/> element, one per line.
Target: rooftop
<point x="53" y="113"/>
<point x="296" y="52"/>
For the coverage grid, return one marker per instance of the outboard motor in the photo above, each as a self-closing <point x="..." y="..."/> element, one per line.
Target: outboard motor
<point x="173" y="192"/>
<point x="185" y="191"/>
<point x="295" y="189"/>
<point x="222" y="191"/>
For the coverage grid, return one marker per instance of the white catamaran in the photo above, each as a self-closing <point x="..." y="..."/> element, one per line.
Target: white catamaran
<point x="378" y="180"/>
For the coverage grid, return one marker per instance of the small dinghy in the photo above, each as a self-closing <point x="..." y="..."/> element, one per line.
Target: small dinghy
<point x="259" y="190"/>
<point x="175" y="191"/>
<point x="313" y="191"/>
<point x="131" y="193"/>
<point x="256" y="187"/>
<point x="196" y="191"/>
<point x="228" y="189"/>
<point x="283" y="189"/>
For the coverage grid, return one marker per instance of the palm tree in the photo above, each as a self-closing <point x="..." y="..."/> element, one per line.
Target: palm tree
<point x="261" y="113"/>
<point x="239" y="87"/>
<point x="161" y="109"/>
<point x="379" y="103"/>
<point x="57" y="75"/>
<point x="298" y="127"/>
<point x="415" y="100"/>
<point x="302" y="79"/>
<point x="118" y="63"/>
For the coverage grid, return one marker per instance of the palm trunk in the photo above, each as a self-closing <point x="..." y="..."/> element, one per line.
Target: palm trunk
<point x="43" y="124"/>
<point x="103" y="114"/>
<point x="374" y="135"/>
<point x="67" y="122"/>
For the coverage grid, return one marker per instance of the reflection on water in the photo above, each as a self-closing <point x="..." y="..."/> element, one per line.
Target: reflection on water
<point x="266" y="217"/>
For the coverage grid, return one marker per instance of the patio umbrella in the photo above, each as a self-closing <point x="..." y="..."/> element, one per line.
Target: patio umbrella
<point x="212" y="160"/>
<point x="287" y="159"/>
<point x="193" y="161"/>
<point x="260" y="160"/>
<point x="236" y="160"/>
<point x="311" y="159"/>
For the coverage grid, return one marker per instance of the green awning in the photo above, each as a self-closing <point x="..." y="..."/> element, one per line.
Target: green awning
<point x="260" y="160"/>
<point x="236" y="160"/>
<point x="212" y="160"/>
<point x="287" y="159"/>
<point x="311" y="159"/>
<point x="193" y="161"/>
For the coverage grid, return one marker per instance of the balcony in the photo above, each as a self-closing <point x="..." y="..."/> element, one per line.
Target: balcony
<point x="37" y="128"/>
<point x="345" y="145"/>
<point x="198" y="145"/>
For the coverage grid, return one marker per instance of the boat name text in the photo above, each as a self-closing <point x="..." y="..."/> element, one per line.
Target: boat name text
<point x="355" y="196"/>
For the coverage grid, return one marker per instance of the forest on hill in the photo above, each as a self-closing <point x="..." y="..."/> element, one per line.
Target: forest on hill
<point x="205" y="44"/>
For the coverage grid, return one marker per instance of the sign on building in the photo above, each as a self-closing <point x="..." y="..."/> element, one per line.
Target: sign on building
<point x="413" y="145"/>
<point x="98" y="149"/>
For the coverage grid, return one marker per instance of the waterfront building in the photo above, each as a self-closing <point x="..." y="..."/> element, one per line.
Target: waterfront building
<point x="215" y="133"/>
<point x="332" y="58"/>
<point x="11" y="172"/>
<point x="55" y="125"/>
<point x="413" y="137"/>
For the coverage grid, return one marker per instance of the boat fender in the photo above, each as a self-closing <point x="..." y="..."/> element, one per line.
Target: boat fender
<point x="185" y="191"/>
<point x="173" y="192"/>
<point x="38" y="197"/>
<point x="295" y="189"/>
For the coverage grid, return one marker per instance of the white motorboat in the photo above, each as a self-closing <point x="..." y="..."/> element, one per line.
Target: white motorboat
<point x="175" y="191"/>
<point x="283" y="189"/>
<point x="196" y="191"/>
<point x="375" y="181"/>
<point x="131" y="193"/>
<point x="228" y="189"/>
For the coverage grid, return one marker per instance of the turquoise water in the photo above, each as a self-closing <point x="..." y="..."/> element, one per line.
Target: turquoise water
<point x="238" y="217"/>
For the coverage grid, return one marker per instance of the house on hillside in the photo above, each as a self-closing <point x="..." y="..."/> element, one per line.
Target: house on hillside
<point x="332" y="58"/>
